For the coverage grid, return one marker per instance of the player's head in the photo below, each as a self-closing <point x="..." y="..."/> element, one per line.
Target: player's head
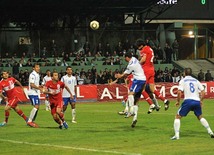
<point x="48" y="72"/>
<point x="128" y="56"/>
<point x="187" y="71"/>
<point x="69" y="70"/>
<point x="140" y="43"/>
<point x="55" y="76"/>
<point x="36" y="67"/>
<point x="4" y="74"/>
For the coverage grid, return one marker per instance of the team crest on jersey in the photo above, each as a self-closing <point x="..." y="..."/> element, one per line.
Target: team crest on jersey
<point x="58" y="86"/>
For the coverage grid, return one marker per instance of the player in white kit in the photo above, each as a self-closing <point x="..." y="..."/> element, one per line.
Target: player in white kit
<point x="33" y="94"/>
<point x="138" y="84"/>
<point x="46" y="78"/>
<point x="193" y="96"/>
<point x="71" y="82"/>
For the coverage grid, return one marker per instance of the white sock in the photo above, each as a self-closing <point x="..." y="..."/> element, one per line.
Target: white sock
<point x="131" y="100"/>
<point x="131" y="103"/>
<point x="47" y="104"/>
<point x="155" y="101"/>
<point x="177" y="124"/>
<point x="131" y="109"/>
<point x="126" y="109"/>
<point x="32" y="114"/>
<point x="73" y="114"/>
<point x="135" y="110"/>
<point x="206" y="125"/>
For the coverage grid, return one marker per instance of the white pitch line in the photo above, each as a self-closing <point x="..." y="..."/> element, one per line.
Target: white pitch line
<point x="69" y="147"/>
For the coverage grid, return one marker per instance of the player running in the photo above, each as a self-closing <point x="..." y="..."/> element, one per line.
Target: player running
<point x="54" y="89"/>
<point x="7" y="84"/>
<point x="33" y="94"/>
<point x="193" y="97"/>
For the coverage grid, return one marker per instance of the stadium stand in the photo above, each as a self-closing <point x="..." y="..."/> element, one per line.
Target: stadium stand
<point x="196" y="65"/>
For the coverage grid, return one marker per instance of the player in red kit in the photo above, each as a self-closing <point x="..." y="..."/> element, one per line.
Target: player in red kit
<point x="54" y="89"/>
<point x="147" y="56"/>
<point x="7" y="84"/>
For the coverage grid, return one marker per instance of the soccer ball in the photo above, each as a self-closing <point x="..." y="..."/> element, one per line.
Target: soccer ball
<point x="94" y="25"/>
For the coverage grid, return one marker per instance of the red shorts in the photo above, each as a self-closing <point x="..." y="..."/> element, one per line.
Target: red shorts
<point x="13" y="102"/>
<point x="54" y="105"/>
<point x="150" y="77"/>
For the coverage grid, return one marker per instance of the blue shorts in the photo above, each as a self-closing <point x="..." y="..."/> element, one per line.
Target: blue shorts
<point x="67" y="100"/>
<point x="137" y="87"/>
<point x="190" y="105"/>
<point x="34" y="99"/>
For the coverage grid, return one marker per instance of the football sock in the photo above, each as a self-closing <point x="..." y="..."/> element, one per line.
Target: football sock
<point x="131" y="103"/>
<point x="155" y="101"/>
<point x="126" y="109"/>
<point x="57" y="120"/>
<point x="131" y="100"/>
<point x="73" y="114"/>
<point x="20" y="113"/>
<point x="61" y="116"/>
<point x="126" y="99"/>
<point x="135" y="109"/>
<point x="206" y="125"/>
<point x="7" y="114"/>
<point x="177" y="124"/>
<point x="47" y="105"/>
<point x="157" y="93"/>
<point x="147" y="98"/>
<point x="32" y="115"/>
<point x="34" y="118"/>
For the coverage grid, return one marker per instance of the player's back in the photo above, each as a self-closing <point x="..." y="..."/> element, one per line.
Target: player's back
<point x="135" y="68"/>
<point x="148" y="64"/>
<point x="191" y="88"/>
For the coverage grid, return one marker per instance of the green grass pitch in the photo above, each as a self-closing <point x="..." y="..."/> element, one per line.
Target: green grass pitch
<point x="101" y="131"/>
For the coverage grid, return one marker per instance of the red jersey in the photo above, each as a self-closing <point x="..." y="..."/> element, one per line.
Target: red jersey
<point x="8" y="86"/>
<point x="57" y="89"/>
<point x="148" y="64"/>
<point x="130" y="79"/>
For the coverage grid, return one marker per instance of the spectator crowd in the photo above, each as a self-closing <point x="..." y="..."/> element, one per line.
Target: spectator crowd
<point x="106" y="54"/>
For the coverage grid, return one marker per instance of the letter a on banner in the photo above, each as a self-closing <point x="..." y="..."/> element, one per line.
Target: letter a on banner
<point x="106" y="93"/>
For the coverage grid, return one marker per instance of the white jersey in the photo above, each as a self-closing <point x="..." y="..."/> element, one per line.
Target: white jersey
<point x="71" y="83"/>
<point x="191" y="88"/>
<point x="34" y="77"/>
<point x="45" y="79"/>
<point x="134" y="67"/>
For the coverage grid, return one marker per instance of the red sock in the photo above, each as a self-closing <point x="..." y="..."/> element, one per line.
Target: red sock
<point x="126" y="98"/>
<point x="159" y="95"/>
<point x="7" y="114"/>
<point x="20" y="113"/>
<point x="58" y="120"/>
<point x="147" y="98"/>
<point x="61" y="116"/>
